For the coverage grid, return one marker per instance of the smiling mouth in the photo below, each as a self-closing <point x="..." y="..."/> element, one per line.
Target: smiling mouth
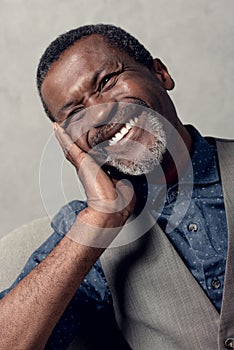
<point x="122" y="123"/>
<point x="123" y="131"/>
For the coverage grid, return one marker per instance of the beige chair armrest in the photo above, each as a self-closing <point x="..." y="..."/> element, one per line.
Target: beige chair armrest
<point x="17" y="246"/>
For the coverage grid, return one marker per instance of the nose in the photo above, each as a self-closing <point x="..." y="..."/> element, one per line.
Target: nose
<point x="101" y="114"/>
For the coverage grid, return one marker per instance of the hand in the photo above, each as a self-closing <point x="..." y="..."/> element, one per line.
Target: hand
<point x="110" y="202"/>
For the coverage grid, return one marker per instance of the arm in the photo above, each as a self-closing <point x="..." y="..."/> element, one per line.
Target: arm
<point x="30" y="311"/>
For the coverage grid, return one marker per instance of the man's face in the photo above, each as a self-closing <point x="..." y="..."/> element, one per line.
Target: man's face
<point x="90" y="88"/>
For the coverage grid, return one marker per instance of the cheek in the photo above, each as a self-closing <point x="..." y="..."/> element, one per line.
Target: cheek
<point x="139" y="89"/>
<point x="131" y="86"/>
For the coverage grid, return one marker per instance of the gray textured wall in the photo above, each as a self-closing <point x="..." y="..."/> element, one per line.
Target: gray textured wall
<point x="193" y="37"/>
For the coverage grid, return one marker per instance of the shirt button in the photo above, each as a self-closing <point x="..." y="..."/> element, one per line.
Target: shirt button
<point x="175" y="193"/>
<point x="216" y="284"/>
<point x="192" y="227"/>
<point x="229" y="343"/>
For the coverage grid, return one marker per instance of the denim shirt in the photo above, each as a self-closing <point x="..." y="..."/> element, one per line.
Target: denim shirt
<point x="200" y="238"/>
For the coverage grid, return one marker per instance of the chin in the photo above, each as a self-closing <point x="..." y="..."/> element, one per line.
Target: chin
<point x="132" y="168"/>
<point x="139" y="166"/>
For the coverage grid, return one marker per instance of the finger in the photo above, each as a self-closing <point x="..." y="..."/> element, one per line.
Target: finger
<point x="72" y="152"/>
<point x="86" y="167"/>
<point x="63" y="138"/>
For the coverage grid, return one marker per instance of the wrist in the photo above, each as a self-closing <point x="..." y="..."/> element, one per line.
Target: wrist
<point x="96" y="229"/>
<point x="98" y="219"/>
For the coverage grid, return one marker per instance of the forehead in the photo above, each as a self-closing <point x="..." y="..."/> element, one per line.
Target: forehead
<point x="88" y="52"/>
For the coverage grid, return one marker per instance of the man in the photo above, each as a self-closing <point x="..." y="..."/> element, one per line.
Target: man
<point x="167" y="286"/>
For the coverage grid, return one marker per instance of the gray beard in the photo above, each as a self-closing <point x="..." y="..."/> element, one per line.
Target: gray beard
<point x="144" y="160"/>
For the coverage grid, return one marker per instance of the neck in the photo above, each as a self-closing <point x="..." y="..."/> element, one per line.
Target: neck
<point x="176" y="163"/>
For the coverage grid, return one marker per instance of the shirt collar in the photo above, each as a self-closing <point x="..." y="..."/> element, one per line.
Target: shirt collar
<point x="204" y="164"/>
<point x="204" y="159"/>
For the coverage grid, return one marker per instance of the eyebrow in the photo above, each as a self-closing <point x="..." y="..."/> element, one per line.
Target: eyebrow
<point x="92" y="81"/>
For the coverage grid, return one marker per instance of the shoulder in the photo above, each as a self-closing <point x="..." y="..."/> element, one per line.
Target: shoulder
<point x="215" y="140"/>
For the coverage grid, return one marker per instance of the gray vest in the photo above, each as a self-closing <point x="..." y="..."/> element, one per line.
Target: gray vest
<point x="158" y="303"/>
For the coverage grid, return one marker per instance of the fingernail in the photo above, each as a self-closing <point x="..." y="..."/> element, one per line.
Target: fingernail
<point x="55" y="126"/>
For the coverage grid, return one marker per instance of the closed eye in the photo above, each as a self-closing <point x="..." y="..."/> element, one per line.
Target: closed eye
<point x="76" y="112"/>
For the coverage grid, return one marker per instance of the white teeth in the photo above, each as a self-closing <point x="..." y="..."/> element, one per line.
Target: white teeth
<point x="125" y="129"/>
<point x="118" y="136"/>
<point x="112" y="142"/>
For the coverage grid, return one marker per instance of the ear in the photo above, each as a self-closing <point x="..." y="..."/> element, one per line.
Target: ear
<point x="162" y="74"/>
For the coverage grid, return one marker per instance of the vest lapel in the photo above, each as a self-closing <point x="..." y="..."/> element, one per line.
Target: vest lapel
<point x="226" y="155"/>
